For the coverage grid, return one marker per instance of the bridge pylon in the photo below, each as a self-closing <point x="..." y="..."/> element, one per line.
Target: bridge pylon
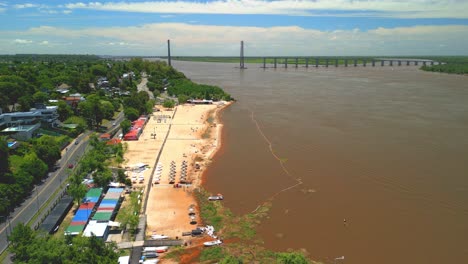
<point x="169" y="52"/>
<point x="241" y="63"/>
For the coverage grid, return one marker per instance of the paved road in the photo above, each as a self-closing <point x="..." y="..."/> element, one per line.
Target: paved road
<point x="142" y="86"/>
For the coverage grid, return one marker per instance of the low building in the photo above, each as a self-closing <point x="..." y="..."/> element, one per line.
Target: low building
<point x="22" y="125"/>
<point x="22" y="132"/>
<point x="97" y="229"/>
<point x="49" y="114"/>
<point x="74" y="99"/>
<point x="197" y="101"/>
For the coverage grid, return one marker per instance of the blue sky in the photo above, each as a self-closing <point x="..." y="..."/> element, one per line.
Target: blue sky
<point x="304" y="27"/>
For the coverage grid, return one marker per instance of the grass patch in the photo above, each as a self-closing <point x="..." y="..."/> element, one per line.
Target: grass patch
<point x="129" y="211"/>
<point x="175" y="253"/>
<point x="4" y="256"/>
<point x="212" y="253"/>
<point x="48" y="132"/>
<point x="65" y="223"/>
<point x="209" y="210"/>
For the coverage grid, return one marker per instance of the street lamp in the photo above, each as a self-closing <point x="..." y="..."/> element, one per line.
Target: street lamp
<point x="339" y="258"/>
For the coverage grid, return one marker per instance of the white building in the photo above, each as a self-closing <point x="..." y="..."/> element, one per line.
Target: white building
<point x="21" y="125"/>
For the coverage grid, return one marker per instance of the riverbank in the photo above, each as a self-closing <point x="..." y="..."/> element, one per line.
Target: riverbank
<point x="193" y="138"/>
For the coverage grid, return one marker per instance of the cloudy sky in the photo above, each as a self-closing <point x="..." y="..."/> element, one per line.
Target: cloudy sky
<point x="215" y="27"/>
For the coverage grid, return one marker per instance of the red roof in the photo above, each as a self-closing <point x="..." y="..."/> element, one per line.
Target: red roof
<point x="105" y="135"/>
<point x="132" y="134"/>
<point x="114" y="141"/>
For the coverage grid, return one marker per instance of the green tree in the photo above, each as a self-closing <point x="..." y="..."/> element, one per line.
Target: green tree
<point x="121" y="177"/>
<point x="183" y="98"/>
<point x="4" y="154"/>
<point x="64" y="111"/>
<point x="25" y="102"/>
<point x="20" y="239"/>
<point x="92" y="111"/>
<point x="125" y="125"/>
<point x="76" y="189"/>
<point x="34" y="166"/>
<point x="102" y="178"/>
<point x="11" y="91"/>
<point x="98" y="70"/>
<point x="168" y="103"/>
<point x="47" y="149"/>
<point x="108" y="109"/>
<point x="80" y="121"/>
<point x="40" y="97"/>
<point x="131" y="114"/>
<point x="30" y="247"/>
<point x="292" y="258"/>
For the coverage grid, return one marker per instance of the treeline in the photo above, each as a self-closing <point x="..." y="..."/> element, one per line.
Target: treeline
<point x="29" y="246"/>
<point x="21" y="58"/>
<point x="185" y="89"/>
<point x="22" y="84"/>
<point x="453" y="65"/>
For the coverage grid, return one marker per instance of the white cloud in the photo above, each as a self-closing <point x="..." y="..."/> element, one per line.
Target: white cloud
<point x="48" y="11"/>
<point x="22" y="41"/>
<point x="378" y="8"/>
<point x="44" y="42"/>
<point x="66" y="12"/>
<point x="27" y="5"/>
<point x="193" y="39"/>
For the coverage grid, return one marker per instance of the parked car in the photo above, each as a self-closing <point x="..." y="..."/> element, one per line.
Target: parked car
<point x="70" y="166"/>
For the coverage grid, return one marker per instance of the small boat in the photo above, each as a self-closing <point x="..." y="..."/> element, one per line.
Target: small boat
<point x="149" y="249"/>
<point x="150" y="254"/>
<point x="213" y="243"/>
<point x="158" y="237"/>
<point x="161" y="249"/>
<point x="216" y="197"/>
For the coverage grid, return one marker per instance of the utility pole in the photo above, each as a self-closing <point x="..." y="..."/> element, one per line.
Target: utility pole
<point x="169" y="52"/>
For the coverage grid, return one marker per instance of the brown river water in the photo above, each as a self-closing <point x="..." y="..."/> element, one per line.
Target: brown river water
<point x="385" y="149"/>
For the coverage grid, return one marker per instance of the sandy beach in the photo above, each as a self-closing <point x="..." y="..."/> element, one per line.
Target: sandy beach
<point x="194" y="137"/>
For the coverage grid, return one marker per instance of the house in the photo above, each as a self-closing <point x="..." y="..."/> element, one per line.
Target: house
<point x="128" y="75"/>
<point x="74" y="99"/>
<point x="22" y="125"/>
<point x="22" y="132"/>
<point x="48" y="113"/>
<point x="105" y="137"/>
<point x="63" y="88"/>
<point x="114" y="141"/>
